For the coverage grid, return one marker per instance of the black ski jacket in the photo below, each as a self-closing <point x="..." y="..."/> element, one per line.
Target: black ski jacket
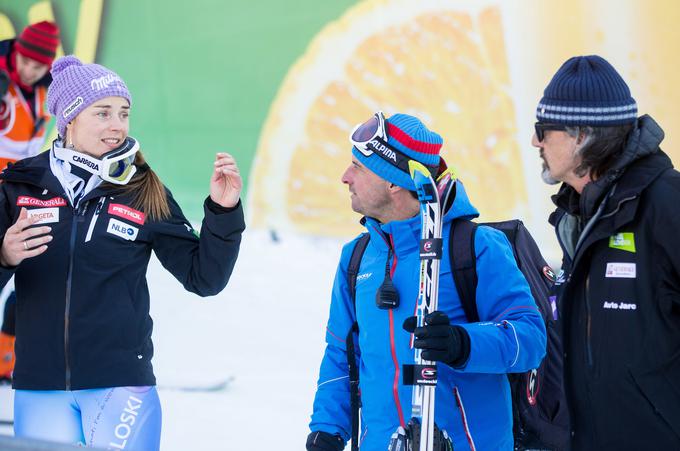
<point x="621" y="300"/>
<point x="82" y="317"/>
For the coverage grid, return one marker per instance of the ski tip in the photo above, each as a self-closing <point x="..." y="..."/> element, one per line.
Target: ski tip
<point x="448" y="172"/>
<point x="416" y="166"/>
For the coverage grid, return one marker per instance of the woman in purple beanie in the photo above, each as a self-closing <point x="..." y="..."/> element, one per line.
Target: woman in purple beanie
<point x="79" y="223"/>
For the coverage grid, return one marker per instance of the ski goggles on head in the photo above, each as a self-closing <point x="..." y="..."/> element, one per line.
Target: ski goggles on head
<point x="370" y="138"/>
<point x="116" y="166"/>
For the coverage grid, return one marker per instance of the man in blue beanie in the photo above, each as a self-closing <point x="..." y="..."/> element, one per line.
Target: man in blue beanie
<point x="473" y="402"/>
<point x="618" y="223"/>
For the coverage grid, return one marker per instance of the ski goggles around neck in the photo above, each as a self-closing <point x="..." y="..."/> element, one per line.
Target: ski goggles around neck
<point x="116" y="166"/>
<point x="370" y="138"/>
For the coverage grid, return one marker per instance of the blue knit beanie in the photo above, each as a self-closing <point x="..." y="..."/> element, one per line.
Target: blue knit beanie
<point x="410" y="136"/>
<point x="587" y="90"/>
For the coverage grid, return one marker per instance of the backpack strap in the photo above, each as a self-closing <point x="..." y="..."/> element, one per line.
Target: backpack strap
<point x="355" y="400"/>
<point x="464" y="265"/>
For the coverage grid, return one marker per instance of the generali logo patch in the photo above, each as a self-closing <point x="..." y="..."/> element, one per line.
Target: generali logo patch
<point x="27" y="201"/>
<point x="128" y="213"/>
<point x="45" y="215"/>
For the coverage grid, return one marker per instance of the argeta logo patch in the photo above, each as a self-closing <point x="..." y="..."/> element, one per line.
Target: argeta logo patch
<point x="45" y="215"/>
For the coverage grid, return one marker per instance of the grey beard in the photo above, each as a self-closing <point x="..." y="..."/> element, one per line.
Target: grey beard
<point x="547" y="178"/>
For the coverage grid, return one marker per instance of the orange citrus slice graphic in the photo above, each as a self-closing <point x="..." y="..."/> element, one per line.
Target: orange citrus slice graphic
<point x="440" y="63"/>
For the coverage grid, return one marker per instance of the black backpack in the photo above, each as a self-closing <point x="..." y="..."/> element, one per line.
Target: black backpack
<point x="538" y="401"/>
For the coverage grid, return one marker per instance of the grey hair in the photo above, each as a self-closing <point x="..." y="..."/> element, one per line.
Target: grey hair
<point x="601" y="146"/>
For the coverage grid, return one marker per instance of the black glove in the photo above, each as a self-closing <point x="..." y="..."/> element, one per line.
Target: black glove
<point x="323" y="441"/>
<point x="4" y="83"/>
<point x="439" y="340"/>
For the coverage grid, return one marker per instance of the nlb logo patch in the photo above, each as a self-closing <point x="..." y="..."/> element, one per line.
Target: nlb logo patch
<point x="44" y="215"/>
<point x="27" y="201"/>
<point x="621" y="270"/>
<point x="128" y="213"/>
<point x="125" y="231"/>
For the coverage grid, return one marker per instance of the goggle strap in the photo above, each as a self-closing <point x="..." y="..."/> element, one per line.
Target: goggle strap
<point x="395" y="157"/>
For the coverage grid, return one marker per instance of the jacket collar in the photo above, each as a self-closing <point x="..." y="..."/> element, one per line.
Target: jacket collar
<point x="643" y="141"/>
<point x="404" y="236"/>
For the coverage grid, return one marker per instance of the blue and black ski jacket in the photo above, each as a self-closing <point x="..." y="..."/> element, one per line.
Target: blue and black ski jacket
<point x="473" y="403"/>
<point x="82" y="317"/>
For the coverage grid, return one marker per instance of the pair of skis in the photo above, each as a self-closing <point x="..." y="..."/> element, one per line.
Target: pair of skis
<point x="435" y="198"/>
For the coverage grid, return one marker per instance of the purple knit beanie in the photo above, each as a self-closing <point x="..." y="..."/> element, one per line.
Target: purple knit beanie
<point x="75" y="86"/>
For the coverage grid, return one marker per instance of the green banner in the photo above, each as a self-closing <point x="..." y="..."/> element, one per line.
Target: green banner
<point x="202" y="74"/>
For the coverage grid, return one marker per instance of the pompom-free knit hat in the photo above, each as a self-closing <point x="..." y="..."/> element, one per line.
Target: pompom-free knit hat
<point x="587" y="90"/>
<point x="75" y="86"/>
<point x="410" y="136"/>
<point x="39" y="41"/>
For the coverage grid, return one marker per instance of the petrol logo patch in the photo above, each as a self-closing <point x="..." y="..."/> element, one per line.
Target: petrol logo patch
<point x="128" y="213"/>
<point x="624" y="241"/>
<point x="621" y="270"/>
<point x="45" y="215"/>
<point x="125" y="231"/>
<point x="28" y="201"/>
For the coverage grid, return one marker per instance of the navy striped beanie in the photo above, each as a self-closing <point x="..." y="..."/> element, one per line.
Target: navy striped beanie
<point x="587" y="90"/>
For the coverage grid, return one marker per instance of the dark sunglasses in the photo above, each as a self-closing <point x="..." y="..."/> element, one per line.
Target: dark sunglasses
<point x="542" y="127"/>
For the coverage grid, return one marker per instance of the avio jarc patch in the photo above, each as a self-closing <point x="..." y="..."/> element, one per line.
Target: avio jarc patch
<point x="624" y="241"/>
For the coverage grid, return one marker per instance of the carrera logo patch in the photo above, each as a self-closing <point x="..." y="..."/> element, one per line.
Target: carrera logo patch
<point x="624" y="241"/>
<point x="128" y="213"/>
<point x="122" y="230"/>
<point x="45" y="215"/>
<point x="27" y="201"/>
<point x="621" y="270"/>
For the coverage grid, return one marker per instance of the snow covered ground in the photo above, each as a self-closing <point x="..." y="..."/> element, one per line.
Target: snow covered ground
<point x="265" y="330"/>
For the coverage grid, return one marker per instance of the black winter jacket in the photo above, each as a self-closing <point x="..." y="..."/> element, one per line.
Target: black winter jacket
<point x="82" y="317"/>
<point x="621" y="300"/>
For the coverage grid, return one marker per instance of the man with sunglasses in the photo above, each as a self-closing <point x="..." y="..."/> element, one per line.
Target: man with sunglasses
<point x="618" y="224"/>
<point x="473" y="402"/>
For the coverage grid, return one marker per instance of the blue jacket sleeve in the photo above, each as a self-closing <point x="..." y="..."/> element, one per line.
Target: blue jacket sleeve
<point x="332" y="412"/>
<point x="511" y="336"/>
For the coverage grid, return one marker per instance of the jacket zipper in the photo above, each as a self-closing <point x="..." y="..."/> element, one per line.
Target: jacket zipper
<point x="589" y="321"/>
<point x="79" y="210"/>
<point x="463" y="416"/>
<point x="95" y="216"/>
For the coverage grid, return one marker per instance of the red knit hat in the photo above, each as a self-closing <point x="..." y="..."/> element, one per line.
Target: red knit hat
<point x="39" y="41"/>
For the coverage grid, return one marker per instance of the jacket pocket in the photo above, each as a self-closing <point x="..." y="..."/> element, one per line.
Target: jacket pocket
<point x="661" y="386"/>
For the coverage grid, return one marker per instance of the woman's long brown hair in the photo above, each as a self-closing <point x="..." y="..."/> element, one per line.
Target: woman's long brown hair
<point x="147" y="191"/>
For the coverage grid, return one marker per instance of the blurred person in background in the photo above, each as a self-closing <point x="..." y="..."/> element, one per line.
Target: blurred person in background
<point x="618" y="223"/>
<point x="79" y="223"/>
<point x="25" y="64"/>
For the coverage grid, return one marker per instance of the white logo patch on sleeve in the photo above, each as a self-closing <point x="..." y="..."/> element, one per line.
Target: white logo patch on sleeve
<point x="122" y="230"/>
<point x="45" y="215"/>
<point x="621" y="270"/>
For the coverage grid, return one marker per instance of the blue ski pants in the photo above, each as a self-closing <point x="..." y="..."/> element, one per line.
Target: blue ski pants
<point x="126" y="418"/>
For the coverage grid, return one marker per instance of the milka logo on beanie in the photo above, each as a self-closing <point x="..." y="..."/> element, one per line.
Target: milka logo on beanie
<point x="103" y="82"/>
<point x="72" y="107"/>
